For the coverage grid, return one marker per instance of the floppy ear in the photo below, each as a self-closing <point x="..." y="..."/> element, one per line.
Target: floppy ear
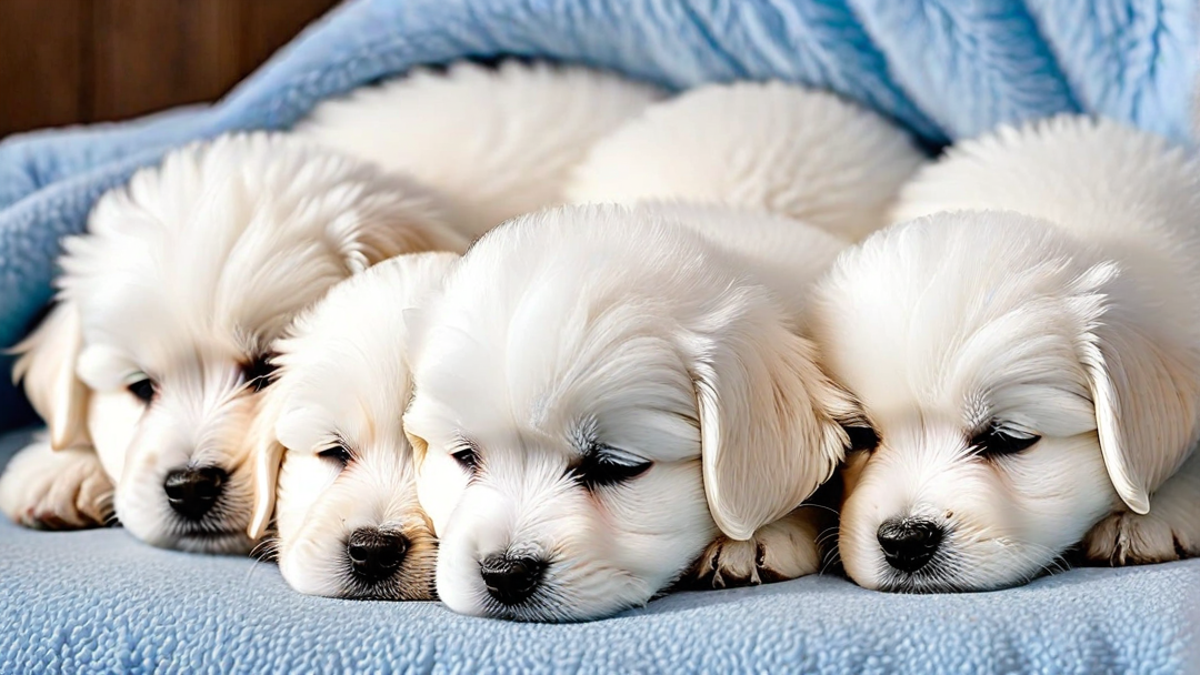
<point x="770" y="420"/>
<point x="264" y="472"/>
<point x="1145" y="389"/>
<point x="265" y="457"/>
<point x="47" y="368"/>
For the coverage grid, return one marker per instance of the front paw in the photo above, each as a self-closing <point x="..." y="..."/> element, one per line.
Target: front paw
<point x="1130" y="539"/>
<point x="785" y="549"/>
<point x="49" y="490"/>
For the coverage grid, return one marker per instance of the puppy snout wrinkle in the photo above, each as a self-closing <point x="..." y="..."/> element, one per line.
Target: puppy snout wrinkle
<point x="375" y="554"/>
<point x="511" y="580"/>
<point x="193" y="491"/>
<point x="909" y="543"/>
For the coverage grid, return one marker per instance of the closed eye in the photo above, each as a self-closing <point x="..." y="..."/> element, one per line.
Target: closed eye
<point x="1000" y="441"/>
<point x="467" y="456"/>
<point x="602" y="467"/>
<point x="338" y="453"/>
<point x="260" y="372"/>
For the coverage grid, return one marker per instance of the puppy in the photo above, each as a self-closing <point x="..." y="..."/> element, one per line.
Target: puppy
<point x="605" y="397"/>
<point x="496" y="142"/>
<point x="149" y="369"/>
<point x="1026" y="350"/>
<point x="762" y="146"/>
<point x="348" y="520"/>
<point x="600" y="392"/>
<point x="467" y="151"/>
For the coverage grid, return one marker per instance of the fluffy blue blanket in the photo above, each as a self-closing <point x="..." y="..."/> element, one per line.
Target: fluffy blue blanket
<point x="943" y="68"/>
<point x="99" y="601"/>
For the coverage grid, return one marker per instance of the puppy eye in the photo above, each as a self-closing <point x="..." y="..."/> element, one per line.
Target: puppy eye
<point x="467" y="458"/>
<point x="260" y="372"/>
<point x="599" y="469"/>
<point x="338" y="453"/>
<point x="862" y="438"/>
<point x="997" y="441"/>
<point x="144" y="389"/>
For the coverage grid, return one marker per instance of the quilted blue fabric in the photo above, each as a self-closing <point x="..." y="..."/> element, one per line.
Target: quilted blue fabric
<point x="99" y="601"/>
<point x="943" y="68"/>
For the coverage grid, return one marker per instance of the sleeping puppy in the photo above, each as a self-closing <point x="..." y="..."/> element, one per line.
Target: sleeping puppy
<point x="1026" y="349"/>
<point x="602" y="391"/>
<point x="348" y="520"/>
<point x="148" y="371"/>
<point x="607" y="399"/>
<point x="770" y="147"/>
<point x="277" y="232"/>
<point x="496" y="142"/>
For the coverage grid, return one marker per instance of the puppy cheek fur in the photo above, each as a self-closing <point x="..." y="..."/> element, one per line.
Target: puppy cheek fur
<point x="610" y="550"/>
<point x="1008" y="519"/>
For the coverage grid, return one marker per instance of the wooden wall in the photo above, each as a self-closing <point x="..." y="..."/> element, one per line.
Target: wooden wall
<point x="71" y="61"/>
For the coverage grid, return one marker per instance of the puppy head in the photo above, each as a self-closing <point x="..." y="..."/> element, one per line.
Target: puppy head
<point x="349" y="524"/>
<point x="1017" y="384"/>
<point x="598" y="393"/>
<point x="170" y="303"/>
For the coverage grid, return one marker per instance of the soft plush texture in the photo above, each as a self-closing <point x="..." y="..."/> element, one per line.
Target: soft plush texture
<point x="99" y="600"/>
<point x="944" y="69"/>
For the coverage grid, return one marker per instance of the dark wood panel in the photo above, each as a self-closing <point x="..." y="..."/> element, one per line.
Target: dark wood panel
<point x="43" y="72"/>
<point x="268" y="25"/>
<point x="151" y="54"/>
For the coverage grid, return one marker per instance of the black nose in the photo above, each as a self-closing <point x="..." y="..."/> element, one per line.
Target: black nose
<point x="510" y="580"/>
<point x="192" y="492"/>
<point x="909" y="543"/>
<point x="375" y="554"/>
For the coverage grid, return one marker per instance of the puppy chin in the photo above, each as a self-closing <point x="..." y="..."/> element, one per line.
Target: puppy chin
<point x="142" y="504"/>
<point x="586" y="574"/>
<point x="1000" y="526"/>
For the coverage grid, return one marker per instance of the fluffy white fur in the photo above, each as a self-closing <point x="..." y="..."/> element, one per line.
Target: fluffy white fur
<point x="183" y="280"/>
<point x="596" y="341"/>
<point x="498" y="142"/>
<point x="333" y="419"/>
<point x="770" y="147"/>
<point x="1047" y="290"/>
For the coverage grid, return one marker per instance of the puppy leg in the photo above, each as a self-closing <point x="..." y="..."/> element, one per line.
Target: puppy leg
<point x="1170" y="531"/>
<point x="785" y="549"/>
<point x="63" y="490"/>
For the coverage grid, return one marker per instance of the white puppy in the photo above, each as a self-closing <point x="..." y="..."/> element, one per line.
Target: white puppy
<point x="496" y="142"/>
<point x="349" y="524"/>
<point x="1028" y="356"/>
<point x="601" y="391"/>
<point x="607" y="397"/>
<point x="148" y="370"/>
<point x="245" y="239"/>
<point x="762" y="146"/>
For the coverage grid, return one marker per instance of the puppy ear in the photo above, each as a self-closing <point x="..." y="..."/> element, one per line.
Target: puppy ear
<point x="265" y="457"/>
<point x="771" y="422"/>
<point x="46" y="367"/>
<point x="1145" y="390"/>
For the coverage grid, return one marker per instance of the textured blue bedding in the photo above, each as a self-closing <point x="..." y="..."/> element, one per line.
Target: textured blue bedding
<point x="943" y="68"/>
<point x="99" y="601"/>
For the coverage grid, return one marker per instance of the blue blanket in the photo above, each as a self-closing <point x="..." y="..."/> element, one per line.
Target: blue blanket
<point x="943" y="68"/>
<point x="99" y="601"/>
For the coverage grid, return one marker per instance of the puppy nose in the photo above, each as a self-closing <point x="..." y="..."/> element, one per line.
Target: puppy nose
<point x="375" y="554"/>
<point x="510" y="580"/>
<point x="193" y="491"/>
<point x="909" y="543"/>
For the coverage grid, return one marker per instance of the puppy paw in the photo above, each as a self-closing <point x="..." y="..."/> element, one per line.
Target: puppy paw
<point x="1131" y="539"/>
<point x="785" y="549"/>
<point x="64" y="490"/>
